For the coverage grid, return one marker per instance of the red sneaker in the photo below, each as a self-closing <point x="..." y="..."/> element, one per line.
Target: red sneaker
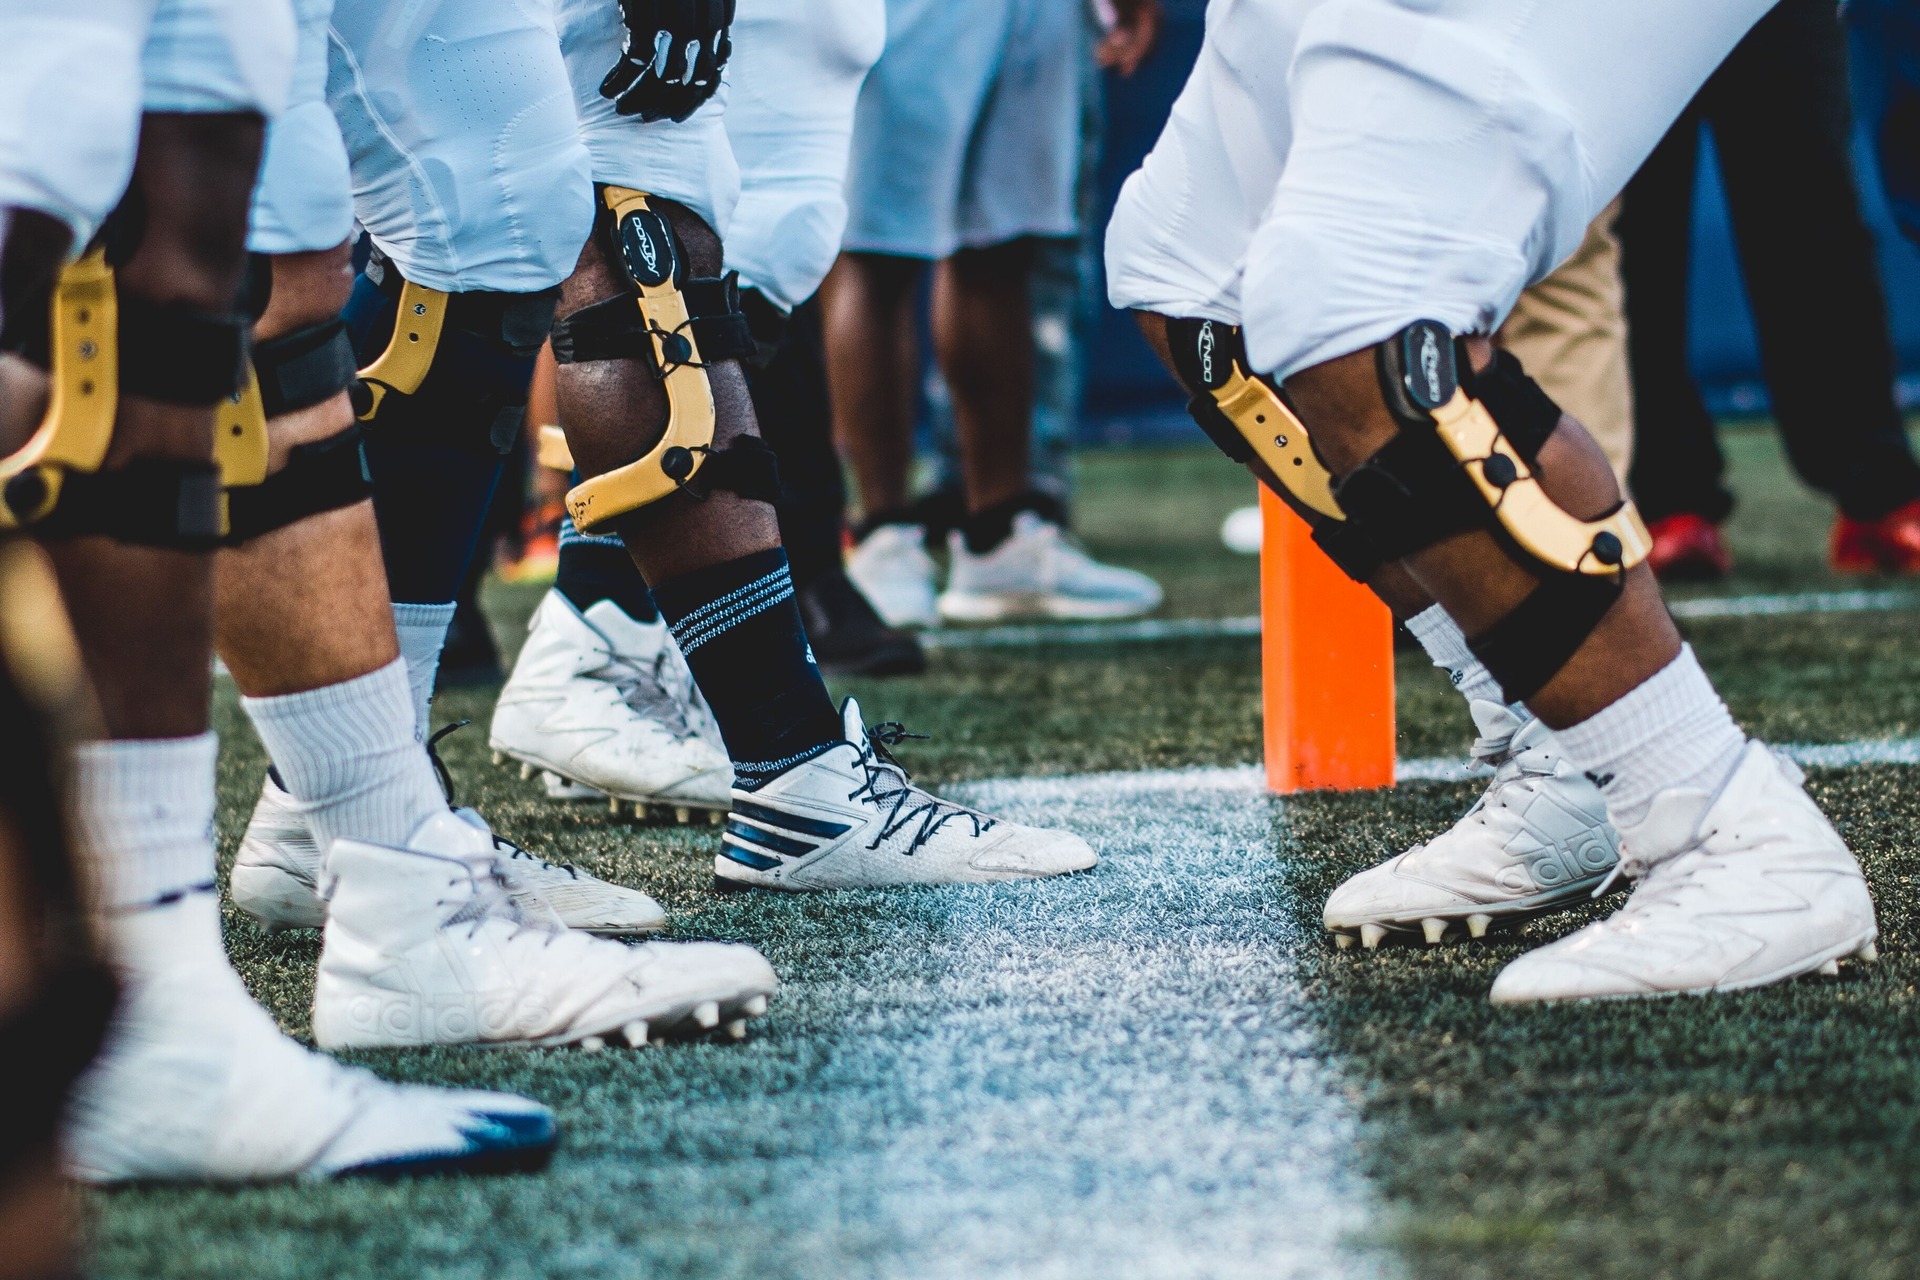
<point x="1890" y="544"/>
<point x="1688" y="548"/>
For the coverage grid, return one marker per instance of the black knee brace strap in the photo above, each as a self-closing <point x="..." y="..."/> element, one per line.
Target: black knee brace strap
<point x="306" y="367"/>
<point x="180" y="354"/>
<point x="614" y="330"/>
<point x="153" y="502"/>
<point x="323" y="475"/>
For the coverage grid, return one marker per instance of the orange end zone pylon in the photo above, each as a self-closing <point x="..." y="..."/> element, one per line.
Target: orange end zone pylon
<point x="1326" y="660"/>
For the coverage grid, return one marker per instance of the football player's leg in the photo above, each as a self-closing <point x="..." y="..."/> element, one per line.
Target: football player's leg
<point x="1174" y="250"/>
<point x="1500" y="506"/>
<point x="654" y="402"/>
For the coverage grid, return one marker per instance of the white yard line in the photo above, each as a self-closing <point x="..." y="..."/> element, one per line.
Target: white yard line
<point x="1154" y="629"/>
<point x="1129" y="1081"/>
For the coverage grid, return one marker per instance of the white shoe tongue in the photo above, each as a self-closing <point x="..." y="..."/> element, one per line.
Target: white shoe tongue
<point x="1493" y="719"/>
<point x="448" y="834"/>
<point x="630" y="639"/>
<point x="851" y="724"/>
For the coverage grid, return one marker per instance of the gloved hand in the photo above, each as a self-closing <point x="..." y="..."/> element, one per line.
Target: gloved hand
<point x="675" y="50"/>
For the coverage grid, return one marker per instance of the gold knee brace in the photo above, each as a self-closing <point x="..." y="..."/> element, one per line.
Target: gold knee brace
<point x="677" y="326"/>
<point x="78" y="426"/>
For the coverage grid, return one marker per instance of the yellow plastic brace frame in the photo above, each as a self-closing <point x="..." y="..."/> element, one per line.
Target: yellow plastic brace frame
<point x="403" y="366"/>
<point x="1279" y="439"/>
<point x="78" y="426"/>
<point x="690" y="412"/>
<point x="1543" y="529"/>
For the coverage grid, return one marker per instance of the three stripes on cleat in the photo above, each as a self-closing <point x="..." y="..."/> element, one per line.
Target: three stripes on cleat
<point x="759" y="837"/>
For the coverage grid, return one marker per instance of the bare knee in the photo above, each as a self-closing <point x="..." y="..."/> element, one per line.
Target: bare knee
<point x="308" y="289"/>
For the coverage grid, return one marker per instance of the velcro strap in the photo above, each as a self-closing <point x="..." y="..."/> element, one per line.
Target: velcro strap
<point x="180" y="354"/>
<point x="720" y="327"/>
<point x="1348" y="546"/>
<point x="610" y="330"/>
<point x="519" y="322"/>
<point x="746" y="467"/>
<point x="766" y="325"/>
<point x="306" y="367"/>
<point x="151" y="502"/>
<point x="47" y="1044"/>
<point x="1528" y="647"/>
<point x="1410" y="495"/>
<point x="1219" y="428"/>
<point x="320" y="476"/>
<point x="1526" y="414"/>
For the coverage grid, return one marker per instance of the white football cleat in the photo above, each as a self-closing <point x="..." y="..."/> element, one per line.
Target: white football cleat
<point x="605" y="703"/>
<point x="1536" y="841"/>
<point x="894" y="572"/>
<point x="196" y="1082"/>
<point x="848" y="818"/>
<point x="425" y="945"/>
<point x="1038" y="572"/>
<point x="1739" y="889"/>
<point x="276" y="876"/>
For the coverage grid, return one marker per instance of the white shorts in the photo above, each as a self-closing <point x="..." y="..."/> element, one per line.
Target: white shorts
<point x="75" y="76"/>
<point x="794" y="78"/>
<point x="466" y="159"/>
<point x="1336" y="169"/>
<point x="690" y="162"/>
<point x="304" y="199"/>
<point x="967" y="132"/>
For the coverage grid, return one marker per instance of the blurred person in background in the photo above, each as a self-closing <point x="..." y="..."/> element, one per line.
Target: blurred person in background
<point x="1781" y="122"/>
<point x="966" y="157"/>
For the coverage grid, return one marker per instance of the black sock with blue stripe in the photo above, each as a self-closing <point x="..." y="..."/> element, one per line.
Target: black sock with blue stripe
<point x="740" y="630"/>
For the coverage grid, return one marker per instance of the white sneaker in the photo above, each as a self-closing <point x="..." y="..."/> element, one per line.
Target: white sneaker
<point x="276" y="876"/>
<point x="848" y="818"/>
<point x="894" y="572"/>
<point x="197" y="1083"/>
<point x="424" y="945"/>
<point x="1536" y="841"/>
<point x="1734" y="890"/>
<point x="600" y="701"/>
<point x="1039" y="573"/>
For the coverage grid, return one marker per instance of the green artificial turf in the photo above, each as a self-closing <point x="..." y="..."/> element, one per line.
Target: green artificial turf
<point x="1160" y="1068"/>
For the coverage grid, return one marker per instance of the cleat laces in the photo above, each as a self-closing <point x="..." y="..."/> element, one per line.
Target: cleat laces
<point x="888" y="782"/>
<point x="500" y="843"/>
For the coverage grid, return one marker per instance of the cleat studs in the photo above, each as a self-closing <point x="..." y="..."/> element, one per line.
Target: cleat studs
<point x="1344" y="941"/>
<point x="1370" y="935"/>
<point x="754" y="1007"/>
<point x="613" y="802"/>
<point x="635" y="1033"/>
<point x="1868" y="953"/>
<point x="737" y="1029"/>
<point x="526" y="770"/>
<point x="715" y="817"/>
<point x="682" y="814"/>
<point x="593" y="1044"/>
<point x="499" y="757"/>
<point x="1435" y="929"/>
<point x="1831" y="969"/>
<point x="707" y="1014"/>
<point x="1477" y="925"/>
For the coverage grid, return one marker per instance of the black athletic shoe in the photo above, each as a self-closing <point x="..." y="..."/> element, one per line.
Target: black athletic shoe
<point x="848" y="637"/>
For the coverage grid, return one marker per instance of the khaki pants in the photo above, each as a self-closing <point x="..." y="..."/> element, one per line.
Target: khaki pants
<point x="1570" y="331"/>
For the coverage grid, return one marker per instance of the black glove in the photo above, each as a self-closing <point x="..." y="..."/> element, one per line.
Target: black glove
<point x="675" y="50"/>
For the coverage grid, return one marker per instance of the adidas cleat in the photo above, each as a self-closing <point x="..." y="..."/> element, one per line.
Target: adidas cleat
<point x="277" y="870"/>
<point x="1740" y="889"/>
<point x="427" y="945"/>
<point x="1536" y="841"/>
<point x="849" y="818"/>
<point x="197" y="1083"/>
<point x="605" y="706"/>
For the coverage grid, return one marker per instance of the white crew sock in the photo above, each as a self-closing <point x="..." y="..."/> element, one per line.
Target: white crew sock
<point x="423" y="634"/>
<point x="1670" y="731"/>
<point x="1440" y="636"/>
<point x="348" y="756"/>
<point x="143" y="818"/>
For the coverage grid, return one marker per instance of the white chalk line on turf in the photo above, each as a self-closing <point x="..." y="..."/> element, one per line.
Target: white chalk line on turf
<point x="1154" y="629"/>
<point x="1248" y="781"/>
